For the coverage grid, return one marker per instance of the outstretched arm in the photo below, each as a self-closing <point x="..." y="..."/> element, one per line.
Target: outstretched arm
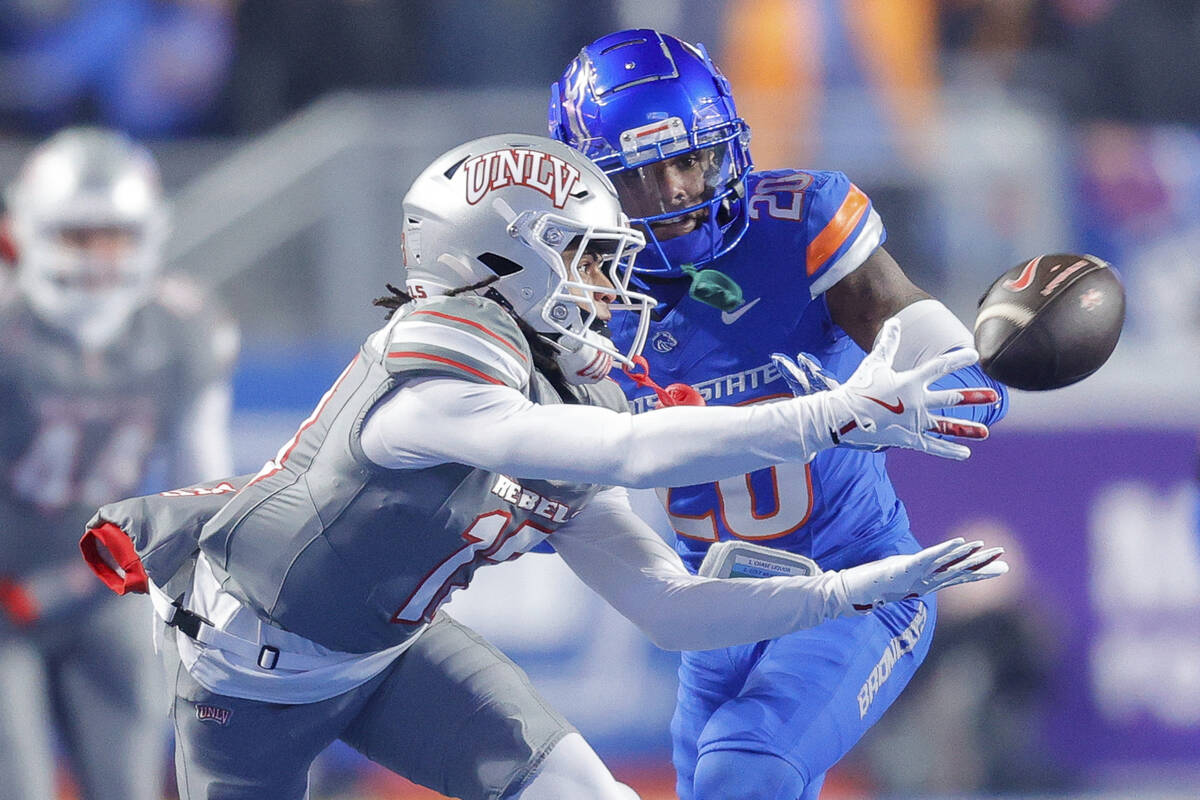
<point x="878" y="289"/>
<point x="627" y="564"/>
<point x="442" y="420"/>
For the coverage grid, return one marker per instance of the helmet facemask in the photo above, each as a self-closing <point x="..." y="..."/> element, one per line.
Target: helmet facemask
<point x="594" y="266"/>
<point x="686" y="197"/>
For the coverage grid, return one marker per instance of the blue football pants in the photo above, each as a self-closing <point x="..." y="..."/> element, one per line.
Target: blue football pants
<point x="766" y="721"/>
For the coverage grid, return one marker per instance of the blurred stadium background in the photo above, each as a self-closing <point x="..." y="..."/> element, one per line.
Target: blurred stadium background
<point x="986" y="132"/>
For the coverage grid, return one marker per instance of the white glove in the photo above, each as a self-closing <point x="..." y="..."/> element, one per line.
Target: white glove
<point x="900" y="577"/>
<point x="879" y="407"/>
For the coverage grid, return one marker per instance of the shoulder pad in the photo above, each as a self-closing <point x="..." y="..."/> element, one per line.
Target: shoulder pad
<point x="466" y="337"/>
<point x="800" y="179"/>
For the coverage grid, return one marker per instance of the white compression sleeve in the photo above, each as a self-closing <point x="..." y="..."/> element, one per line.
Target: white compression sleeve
<point x="442" y="420"/>
<point x="627" y="564"/>
<point x="930" y="329"/>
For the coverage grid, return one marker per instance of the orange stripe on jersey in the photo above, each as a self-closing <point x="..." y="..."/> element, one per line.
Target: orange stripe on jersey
<point x="838" y="230"/>
<point x="474" y="324"/>
<point x="440" y="360"/>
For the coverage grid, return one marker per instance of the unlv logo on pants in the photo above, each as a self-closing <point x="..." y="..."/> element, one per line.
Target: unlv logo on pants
<point x="520" y="166"/>
<point x="207" y="713"/>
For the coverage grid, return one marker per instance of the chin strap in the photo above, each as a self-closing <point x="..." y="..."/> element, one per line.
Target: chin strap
<point x="677" y="394"/>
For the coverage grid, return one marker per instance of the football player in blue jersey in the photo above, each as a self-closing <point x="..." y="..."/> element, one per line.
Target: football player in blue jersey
<point x="745" y="265"/>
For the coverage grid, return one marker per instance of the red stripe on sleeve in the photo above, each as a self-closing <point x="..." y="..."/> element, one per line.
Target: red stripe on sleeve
<point x="476" y="325"/>
<point x="451" y="362"/>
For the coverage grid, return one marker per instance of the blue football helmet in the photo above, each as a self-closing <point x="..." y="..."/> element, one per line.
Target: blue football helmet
<point x="658" y="117"/>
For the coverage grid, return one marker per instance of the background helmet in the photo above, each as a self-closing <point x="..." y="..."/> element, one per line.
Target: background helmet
<point x="512" y="206"/>
<point x="635" y="98"/>
<point x="80" y="184"/>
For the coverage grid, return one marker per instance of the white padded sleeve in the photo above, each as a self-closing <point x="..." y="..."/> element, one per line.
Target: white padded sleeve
<point x="628" y="565"/>
<point x="929" y="329"/>
<point x="443" y="420"/>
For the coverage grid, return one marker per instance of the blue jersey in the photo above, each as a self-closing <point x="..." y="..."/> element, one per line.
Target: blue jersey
<point x="807" y="231"/>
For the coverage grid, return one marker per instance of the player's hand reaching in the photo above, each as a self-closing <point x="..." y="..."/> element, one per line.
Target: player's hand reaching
<point x="899" y="577"/>
<point x="879" y="407"/>
<point x="806" y="376"/>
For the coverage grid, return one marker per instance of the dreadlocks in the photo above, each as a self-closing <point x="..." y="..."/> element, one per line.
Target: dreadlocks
<point x="399" y="297"/>
<point x="393" y="300"/>
<point x="542" y="351"/>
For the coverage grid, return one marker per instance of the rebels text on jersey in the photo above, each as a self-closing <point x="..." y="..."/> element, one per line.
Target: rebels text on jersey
<point x="807" y="231"/>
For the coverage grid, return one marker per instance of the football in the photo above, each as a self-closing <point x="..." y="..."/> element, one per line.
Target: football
<point x="1050" y="322"/>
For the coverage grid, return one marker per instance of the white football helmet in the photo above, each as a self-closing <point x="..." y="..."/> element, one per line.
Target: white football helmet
<point x="89" y="222"/>
<point x="525" y="210"/>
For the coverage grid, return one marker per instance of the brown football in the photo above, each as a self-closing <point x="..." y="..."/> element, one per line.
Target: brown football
<point x="1050" y="322"/>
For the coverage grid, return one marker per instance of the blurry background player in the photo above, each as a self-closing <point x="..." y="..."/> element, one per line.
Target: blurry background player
<point x="104" y="366"/>
<point x="745" y="264"/>
<point x="475" y="425"/>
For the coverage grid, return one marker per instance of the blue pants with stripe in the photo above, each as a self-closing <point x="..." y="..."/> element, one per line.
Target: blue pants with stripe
<point x="767" y="720"/>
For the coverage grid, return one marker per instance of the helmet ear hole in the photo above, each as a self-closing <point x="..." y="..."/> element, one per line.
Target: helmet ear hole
<point x="499" y="264"/>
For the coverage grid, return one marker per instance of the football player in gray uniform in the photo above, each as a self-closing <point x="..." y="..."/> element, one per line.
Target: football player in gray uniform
<point x="478" y="424"/>
<point x="104" y="366"/>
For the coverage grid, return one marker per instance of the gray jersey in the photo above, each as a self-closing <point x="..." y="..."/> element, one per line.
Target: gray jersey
<point x="80" y="429"/>
<point x="356" y="557"/>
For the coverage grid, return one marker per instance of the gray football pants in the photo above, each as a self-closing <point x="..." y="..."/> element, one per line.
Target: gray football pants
<point x="92" y="680"/>
<point x="452" y="713"/>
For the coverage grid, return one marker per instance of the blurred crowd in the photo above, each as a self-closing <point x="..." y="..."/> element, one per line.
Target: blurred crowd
<point x="180" y="68"/>
<point x="1125" y="75"/>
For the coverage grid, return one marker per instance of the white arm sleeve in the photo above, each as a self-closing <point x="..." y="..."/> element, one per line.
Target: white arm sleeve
<point x="442" y="420"/>
<point x="203" y="451"/>
<point x="623" y="561"/>
<point x="930" y="329"/>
